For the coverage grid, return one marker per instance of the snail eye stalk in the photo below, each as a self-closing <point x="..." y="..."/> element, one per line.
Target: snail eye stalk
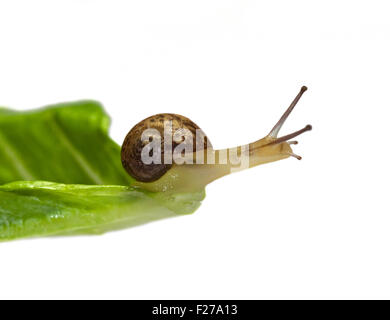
<point x="290" y="136"/>
<point x="275" y="130"/>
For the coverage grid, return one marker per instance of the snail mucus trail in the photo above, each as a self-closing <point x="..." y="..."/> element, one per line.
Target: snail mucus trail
<point x="170" y="176"/>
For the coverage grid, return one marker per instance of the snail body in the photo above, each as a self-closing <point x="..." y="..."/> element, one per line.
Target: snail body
<point x="168" y="175"/>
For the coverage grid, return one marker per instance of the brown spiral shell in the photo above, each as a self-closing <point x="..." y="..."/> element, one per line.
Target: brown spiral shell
<point x="133" y="145"/>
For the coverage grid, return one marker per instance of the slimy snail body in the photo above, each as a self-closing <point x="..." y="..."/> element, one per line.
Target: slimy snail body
<point x="162" y="177"/>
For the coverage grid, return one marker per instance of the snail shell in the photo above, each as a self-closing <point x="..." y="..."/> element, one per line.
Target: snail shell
<point x="133" y="145"/>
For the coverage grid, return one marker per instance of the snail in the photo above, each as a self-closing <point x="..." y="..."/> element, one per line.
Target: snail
<point x="167" y="174"/>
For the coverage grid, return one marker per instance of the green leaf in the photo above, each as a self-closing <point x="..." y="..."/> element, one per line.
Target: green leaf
<point x="65" y="143"/>
<point x="89" y="192"/>
<point x="41" y="208"/>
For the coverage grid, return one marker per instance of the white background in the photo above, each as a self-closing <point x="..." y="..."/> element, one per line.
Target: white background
<point x="316" y="228"/>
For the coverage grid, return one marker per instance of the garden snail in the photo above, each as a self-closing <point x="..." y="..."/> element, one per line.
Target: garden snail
<point x="168" y="175"/>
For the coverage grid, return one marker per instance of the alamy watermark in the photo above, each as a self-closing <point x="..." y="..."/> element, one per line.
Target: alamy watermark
<point x="182" y="147"/>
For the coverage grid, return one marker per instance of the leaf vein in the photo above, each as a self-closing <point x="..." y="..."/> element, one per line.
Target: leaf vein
<point x="15" y="159"/>
<point x="76" y="154"/>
